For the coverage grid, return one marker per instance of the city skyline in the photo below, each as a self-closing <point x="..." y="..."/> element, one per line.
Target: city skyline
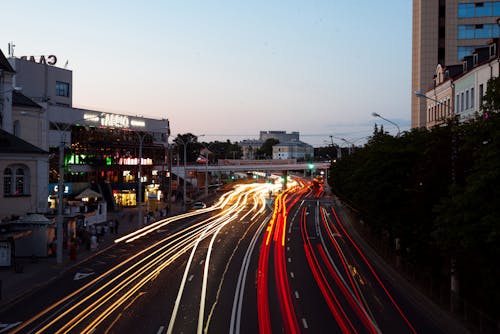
<point x="229" y="70"/>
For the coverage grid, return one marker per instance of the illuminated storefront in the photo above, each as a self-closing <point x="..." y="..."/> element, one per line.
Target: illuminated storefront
<point x="104" y="150"/>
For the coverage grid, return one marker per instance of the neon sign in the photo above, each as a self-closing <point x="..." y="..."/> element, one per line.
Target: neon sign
<point x="116" y="121"/>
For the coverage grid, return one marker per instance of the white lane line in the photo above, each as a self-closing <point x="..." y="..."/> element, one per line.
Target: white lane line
<point x="289" y="260"/>
<point x="190" y="278"/>
<point x="297" y="296"/>
<point x="288" y="248"/>
<point x="201" y="262"/>
<point x="160" y="330"/>
<point x="304" y="323"/>
<point x="292" y="275"/>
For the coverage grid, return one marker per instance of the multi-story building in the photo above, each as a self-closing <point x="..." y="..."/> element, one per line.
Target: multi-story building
<point x="290" y="140"/>
<point x="101" y="149"/>
<point x="444" y="32"/>
<point x="293" y="150"/>
<point x="459" y="89"/>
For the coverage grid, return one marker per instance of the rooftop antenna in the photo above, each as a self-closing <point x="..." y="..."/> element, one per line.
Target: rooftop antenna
<point x="66" y="64"/>
<point x="11" y="49"/>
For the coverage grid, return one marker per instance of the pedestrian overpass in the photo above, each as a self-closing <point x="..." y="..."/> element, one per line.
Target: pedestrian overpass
<point x="244" y="166"/>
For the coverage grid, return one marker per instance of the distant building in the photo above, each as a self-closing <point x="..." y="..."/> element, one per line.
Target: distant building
<point x="289" y="147"/>
<point x="293" y="150"/>
<point x="282" y="136"/>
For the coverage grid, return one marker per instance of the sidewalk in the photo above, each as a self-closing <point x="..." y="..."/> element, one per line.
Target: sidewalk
<point x="35" y="273"/>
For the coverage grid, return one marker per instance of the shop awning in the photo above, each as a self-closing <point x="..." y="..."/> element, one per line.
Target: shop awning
<point x="88" y="193"/>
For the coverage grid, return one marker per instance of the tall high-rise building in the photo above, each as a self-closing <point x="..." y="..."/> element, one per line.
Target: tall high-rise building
<point x="445" y="31"/>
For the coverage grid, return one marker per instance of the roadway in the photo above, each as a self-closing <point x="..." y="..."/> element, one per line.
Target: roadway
<point x="239" y="266"/>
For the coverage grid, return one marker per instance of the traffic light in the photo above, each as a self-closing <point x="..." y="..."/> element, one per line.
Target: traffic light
<point x="311" y="165"/>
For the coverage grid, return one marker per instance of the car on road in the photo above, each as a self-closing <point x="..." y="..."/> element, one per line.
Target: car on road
<point x="198" y="205"/>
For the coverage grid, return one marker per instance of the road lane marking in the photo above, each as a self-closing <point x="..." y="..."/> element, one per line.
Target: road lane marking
<point x="190" y="278"/>
<point x="289" y="260"/>
<point x="5" y="327"/>
<point x="297" y="296"/>
<point x="292" y="275"/>
<point x="160" y="330"/>
<point x="304" y="323"/>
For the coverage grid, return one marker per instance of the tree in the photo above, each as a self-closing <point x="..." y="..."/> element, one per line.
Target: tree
<point x="266" y="150"/>
<point x="491" y="99"/>
<point x="187" y="139"/>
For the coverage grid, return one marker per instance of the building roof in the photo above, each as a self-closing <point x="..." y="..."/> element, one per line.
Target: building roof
<point x="19" y="99"/>
<point x="12" y="144"/>
<point x="4" y="63"/>
<point x="293" y="143"/>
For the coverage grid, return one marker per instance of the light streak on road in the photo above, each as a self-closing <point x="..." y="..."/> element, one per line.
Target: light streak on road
<point x="375" y="275"/>
<point x="86" y="308"/>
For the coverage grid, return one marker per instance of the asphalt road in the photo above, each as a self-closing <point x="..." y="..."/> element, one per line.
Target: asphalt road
<point x="240" y="266"/>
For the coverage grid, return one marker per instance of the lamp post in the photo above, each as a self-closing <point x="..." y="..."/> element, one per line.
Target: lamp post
<point x="350" y="145"/>
<point x="139" y="178"/>
<point x="60" y="186"/>
<point x="184" y="143"/>
<point x="139" y="175"/>
<point x="374" y="114"/>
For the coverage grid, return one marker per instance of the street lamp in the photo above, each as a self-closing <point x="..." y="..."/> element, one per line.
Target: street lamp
<point x="374" y="114"/>
<point x="139" y="178"/>
<point x="60" y="187"/>
<point x="446" y="104"/>
<point x="350" y="145"/>
<point x="184" y="143"/>
<point x="139" y="175"/>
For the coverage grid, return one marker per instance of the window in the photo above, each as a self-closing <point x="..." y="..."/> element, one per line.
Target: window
<point x="465" y="10"/>
<point x="457" y="104"/>
<point x="17" y="128"/>
<point x="472" y="97"/>
<point x="464" y="51"/>
<point x="471" y="31"/>
<point x="484" y="9"/>
<point x="496" y="9"/>
<point x="62" y="89"/>
<point x="462" y="101"/>
<point x="482" y="31"/>
<point x="7" y="182"/>
<point x="481" y="90"/>
<point x="466" y="99"/>
<point x="466" y="31"/>
<point x="16" y="181"/>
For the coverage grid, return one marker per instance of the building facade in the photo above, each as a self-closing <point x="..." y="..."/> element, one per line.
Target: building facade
<point x="293" y="150"/>
<point x="461" y="92"/>
<point x="291" y="146"/>
<point x="24" y="179"/>
<point x="111" y="152"/>
<point x="444" y="32"/>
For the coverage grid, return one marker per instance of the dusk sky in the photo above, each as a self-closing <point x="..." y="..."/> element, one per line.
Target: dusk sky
<point x="229" y="69"/>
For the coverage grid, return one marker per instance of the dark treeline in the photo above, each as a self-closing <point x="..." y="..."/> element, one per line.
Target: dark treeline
<point x="438" y="191"/>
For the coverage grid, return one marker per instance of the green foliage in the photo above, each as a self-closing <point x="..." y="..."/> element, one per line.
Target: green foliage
<point x="405" y="188"/>
<point x="223" y="150"/>
<point x="266" y="150"/>
<point x="491" y="99"/>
